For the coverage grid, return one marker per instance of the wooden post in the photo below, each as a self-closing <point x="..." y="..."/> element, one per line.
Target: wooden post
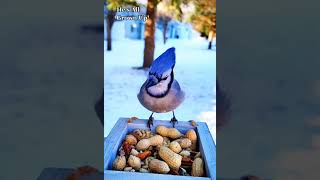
<point x="149" y="34"/>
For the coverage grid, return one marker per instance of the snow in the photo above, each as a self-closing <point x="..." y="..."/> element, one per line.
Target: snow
<point x="195" y="71"/>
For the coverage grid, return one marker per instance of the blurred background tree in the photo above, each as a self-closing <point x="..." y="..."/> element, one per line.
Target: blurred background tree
<point x="168" y="10"/>
<point x="204" y="18"/>
<point x="149" y="33"/>
<point x="201" y="14"/>
<point x="112" y="6"/>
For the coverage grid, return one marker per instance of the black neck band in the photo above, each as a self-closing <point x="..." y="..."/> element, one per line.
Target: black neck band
<point x="166" y="92"/>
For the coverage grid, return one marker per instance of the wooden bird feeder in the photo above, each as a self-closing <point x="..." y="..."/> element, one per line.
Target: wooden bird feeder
<point x="114" y="140"/>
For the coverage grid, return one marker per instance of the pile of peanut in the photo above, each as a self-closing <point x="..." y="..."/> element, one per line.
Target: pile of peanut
<point x="166" y="152"/>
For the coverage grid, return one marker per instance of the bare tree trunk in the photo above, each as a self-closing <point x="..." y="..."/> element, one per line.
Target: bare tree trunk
<point x="211" y="36"/>
<point x="165" y="27"/>
<point x="149" y="34"/>
<point x="212" y="33"/>
<point x="210" y="45"/>
<point x="110" y="22"/>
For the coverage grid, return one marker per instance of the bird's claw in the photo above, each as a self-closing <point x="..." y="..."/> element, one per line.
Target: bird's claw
<point x="174" y="121"/>
<point x="150" y="122"/>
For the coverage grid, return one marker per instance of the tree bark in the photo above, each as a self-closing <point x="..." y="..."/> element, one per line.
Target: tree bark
<point x="211" y="36"/>
<point x="210" y="44"/>
<point x="110" y="22"/>
<point x="149" y="34"/>
<point x="212" y="33"/>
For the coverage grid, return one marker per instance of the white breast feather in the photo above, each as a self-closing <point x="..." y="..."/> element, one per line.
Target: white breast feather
<point x="160" y="88"/>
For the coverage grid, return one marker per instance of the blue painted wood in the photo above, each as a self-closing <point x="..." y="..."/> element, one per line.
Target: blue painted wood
<point x="207" y="149"/>
<point x="121" y="175"/>
<point x="113" y="142"/>
<point x="122" y="127"/>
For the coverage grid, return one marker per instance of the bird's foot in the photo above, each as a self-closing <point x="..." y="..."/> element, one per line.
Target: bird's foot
<point x="150" y="122"/>
<point x="174" y="121"/>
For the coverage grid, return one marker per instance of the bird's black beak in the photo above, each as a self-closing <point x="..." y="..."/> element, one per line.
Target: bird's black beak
<point x="151" y="82"/>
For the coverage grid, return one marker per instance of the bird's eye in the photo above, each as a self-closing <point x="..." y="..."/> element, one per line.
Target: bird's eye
<point x="165" y="78"/>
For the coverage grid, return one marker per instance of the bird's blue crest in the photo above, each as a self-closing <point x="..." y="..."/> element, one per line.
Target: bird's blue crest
<point x="164" y="62"/>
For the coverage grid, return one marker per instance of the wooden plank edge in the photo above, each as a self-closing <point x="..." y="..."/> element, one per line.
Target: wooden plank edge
<point x="122" y="175"/>
<point x="112" y="142"/>
<point x="208" y="145"/>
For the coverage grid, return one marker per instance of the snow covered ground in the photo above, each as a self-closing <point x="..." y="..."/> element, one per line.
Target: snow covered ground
<point x="195" y="70"/>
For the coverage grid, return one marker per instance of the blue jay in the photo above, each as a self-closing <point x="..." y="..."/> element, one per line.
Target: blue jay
<point x="161" y="93"/>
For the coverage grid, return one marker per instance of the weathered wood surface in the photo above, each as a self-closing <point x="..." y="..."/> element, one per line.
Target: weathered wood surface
<point x="122" y="127"/>
<point x="121" y="175"/>
<point x="207" y="149"/>
<point x="113" y="142"/>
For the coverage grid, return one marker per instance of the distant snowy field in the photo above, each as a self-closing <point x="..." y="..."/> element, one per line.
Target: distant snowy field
<point x="195" y="70"/>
